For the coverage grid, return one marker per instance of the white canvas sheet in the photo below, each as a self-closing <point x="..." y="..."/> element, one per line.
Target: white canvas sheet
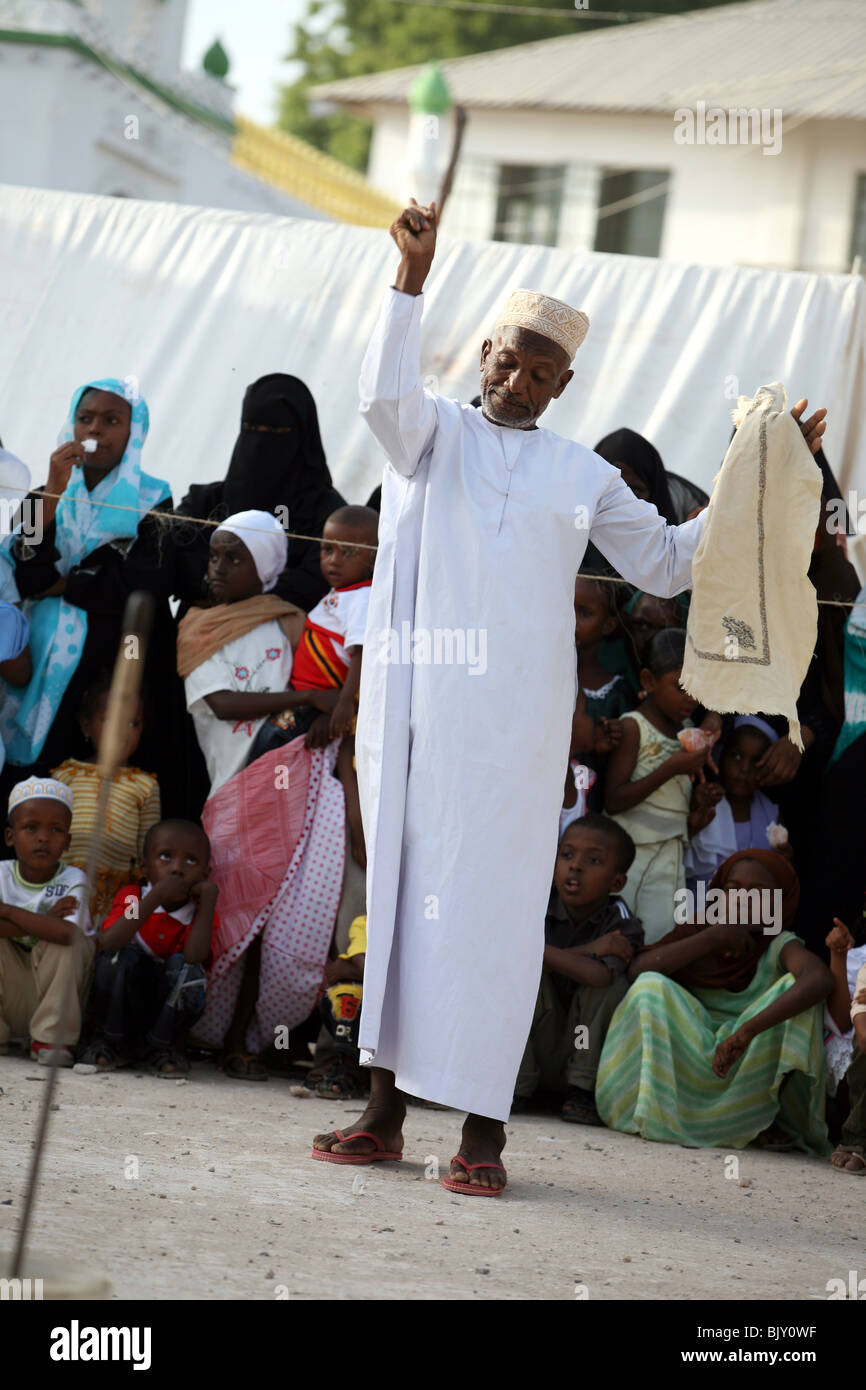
<point x="196" y="303"/>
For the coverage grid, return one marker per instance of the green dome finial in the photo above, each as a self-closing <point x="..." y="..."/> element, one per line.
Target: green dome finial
<point x="429" y="92"/>
<point x="216" y="61"/>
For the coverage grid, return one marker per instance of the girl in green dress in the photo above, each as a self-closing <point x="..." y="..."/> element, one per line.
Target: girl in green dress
<point x="719" y="1040"/>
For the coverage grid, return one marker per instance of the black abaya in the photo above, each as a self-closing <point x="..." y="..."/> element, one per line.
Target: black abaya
<point x="278" y="461"/>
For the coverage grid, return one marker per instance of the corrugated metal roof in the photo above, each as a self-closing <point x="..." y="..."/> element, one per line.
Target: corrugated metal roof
<point x="807" y="57"/>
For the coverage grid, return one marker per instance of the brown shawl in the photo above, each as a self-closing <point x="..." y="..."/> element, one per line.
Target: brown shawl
<point x="203" y="631"/>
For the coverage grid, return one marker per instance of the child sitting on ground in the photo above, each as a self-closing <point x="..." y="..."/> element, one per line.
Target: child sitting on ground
<point x="850" y="1155"/>
<point x="149" y="980"/>
<point x="590" y="937"/>
<point x="603" y="696"/>
<point x="46" y="939"/>
<point x="741" y="817"/>
<point x="133" y="802"/>
<point x="648" y="788"/>
<point x="341" y="1013"/>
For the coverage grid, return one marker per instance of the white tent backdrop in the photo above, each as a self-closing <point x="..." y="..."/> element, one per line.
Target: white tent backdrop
<point x="196" y="303"/>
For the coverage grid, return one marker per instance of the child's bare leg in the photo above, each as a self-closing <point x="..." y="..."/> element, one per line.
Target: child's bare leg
<point x="234" y="1043"/>
<point x="384" y="1115"/>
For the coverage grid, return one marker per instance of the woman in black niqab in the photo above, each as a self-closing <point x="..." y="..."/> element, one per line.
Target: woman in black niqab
<point x="641" y="466"/>
<point x="278" y="461"/>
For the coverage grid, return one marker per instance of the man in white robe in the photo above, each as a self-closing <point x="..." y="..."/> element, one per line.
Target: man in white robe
<point x="467" y="695"/>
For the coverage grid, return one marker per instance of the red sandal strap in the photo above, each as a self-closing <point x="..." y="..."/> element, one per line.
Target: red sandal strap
<point x="471" y="1167"/>
<point x="359" y="1134"/>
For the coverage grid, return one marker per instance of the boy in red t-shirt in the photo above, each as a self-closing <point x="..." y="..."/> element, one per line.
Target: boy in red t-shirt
<point x="149" y="977"/>
<point x="328" y="657"/>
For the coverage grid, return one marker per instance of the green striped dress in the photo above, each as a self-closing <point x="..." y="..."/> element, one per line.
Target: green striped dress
<point x="656" y="1073"/>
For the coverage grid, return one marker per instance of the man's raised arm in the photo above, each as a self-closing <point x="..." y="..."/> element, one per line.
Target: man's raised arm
<point x="394" y="403"/>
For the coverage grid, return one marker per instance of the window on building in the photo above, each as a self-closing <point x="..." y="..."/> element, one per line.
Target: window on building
<point x="529" y="203"/>
<point x="858" y="226"/>
<point x="630" y="214"/>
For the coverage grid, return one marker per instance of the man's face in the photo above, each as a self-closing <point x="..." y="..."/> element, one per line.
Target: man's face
<point x="521" y="373"/>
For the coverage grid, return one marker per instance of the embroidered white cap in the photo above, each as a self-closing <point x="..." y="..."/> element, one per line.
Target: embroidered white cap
<point x="542" y="314"/>
<point x="40" y="788"/>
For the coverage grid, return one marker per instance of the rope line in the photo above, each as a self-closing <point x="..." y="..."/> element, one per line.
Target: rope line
<point x="166" y="518"/>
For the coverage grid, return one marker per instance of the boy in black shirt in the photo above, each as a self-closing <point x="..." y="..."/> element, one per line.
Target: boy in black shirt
<point x="590" y="937"/>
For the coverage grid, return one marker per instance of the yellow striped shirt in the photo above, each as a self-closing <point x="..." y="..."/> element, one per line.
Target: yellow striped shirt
<point x="133" y="807"/>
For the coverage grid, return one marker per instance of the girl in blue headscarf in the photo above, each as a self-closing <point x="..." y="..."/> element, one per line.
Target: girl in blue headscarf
<point x="77" y="578"/>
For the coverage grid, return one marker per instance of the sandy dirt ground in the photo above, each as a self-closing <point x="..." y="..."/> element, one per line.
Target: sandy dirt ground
<point x="227" y="1203"/>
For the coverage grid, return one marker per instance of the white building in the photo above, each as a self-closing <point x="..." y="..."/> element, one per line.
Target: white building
<point x="579" y="142"/>
<point x="94" y="101"/>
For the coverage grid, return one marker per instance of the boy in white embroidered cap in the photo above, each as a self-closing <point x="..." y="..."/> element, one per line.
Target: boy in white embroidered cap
<point x="46" y="941"/>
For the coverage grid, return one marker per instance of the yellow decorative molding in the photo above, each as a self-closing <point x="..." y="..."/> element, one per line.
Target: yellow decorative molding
<point x="312" y="177"/>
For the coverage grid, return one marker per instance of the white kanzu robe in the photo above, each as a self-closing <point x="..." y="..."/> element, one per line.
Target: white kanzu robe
<point x="462" y="751"/>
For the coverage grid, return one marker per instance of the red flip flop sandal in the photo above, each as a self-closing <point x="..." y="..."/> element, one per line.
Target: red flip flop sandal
<point x="470" y="1189"/>
<point x="379" y="1154"/>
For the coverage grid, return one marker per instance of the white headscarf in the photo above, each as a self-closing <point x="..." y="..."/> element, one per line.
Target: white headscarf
<point x="266" y="541"/>
<point x="754" y="721"/>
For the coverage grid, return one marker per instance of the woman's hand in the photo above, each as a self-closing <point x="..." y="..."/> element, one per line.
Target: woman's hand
<point x="780" y="764"/>
<point x="731" y="1050"/>
<point x="61" y="464"/>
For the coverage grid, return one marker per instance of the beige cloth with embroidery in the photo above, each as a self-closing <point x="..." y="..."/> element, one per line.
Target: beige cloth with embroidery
<point x="753" y="615"/>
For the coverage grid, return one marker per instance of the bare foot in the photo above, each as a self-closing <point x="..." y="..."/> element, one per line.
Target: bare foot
<point x="850" y="1158"/>
<point x="383" y="1117"/>
<point x="385" y="1124"/>
<point x="482" y="1142"/>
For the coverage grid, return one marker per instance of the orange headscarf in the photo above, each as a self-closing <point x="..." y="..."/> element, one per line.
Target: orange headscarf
<point x="718" y="971"/>
<point x="203" y="631"/>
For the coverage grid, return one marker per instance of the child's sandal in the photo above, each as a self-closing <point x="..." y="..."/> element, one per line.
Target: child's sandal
<point x="168" y="1065"/>
<point x="99" y="1054"/>
<point x="341" y="1082"/>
